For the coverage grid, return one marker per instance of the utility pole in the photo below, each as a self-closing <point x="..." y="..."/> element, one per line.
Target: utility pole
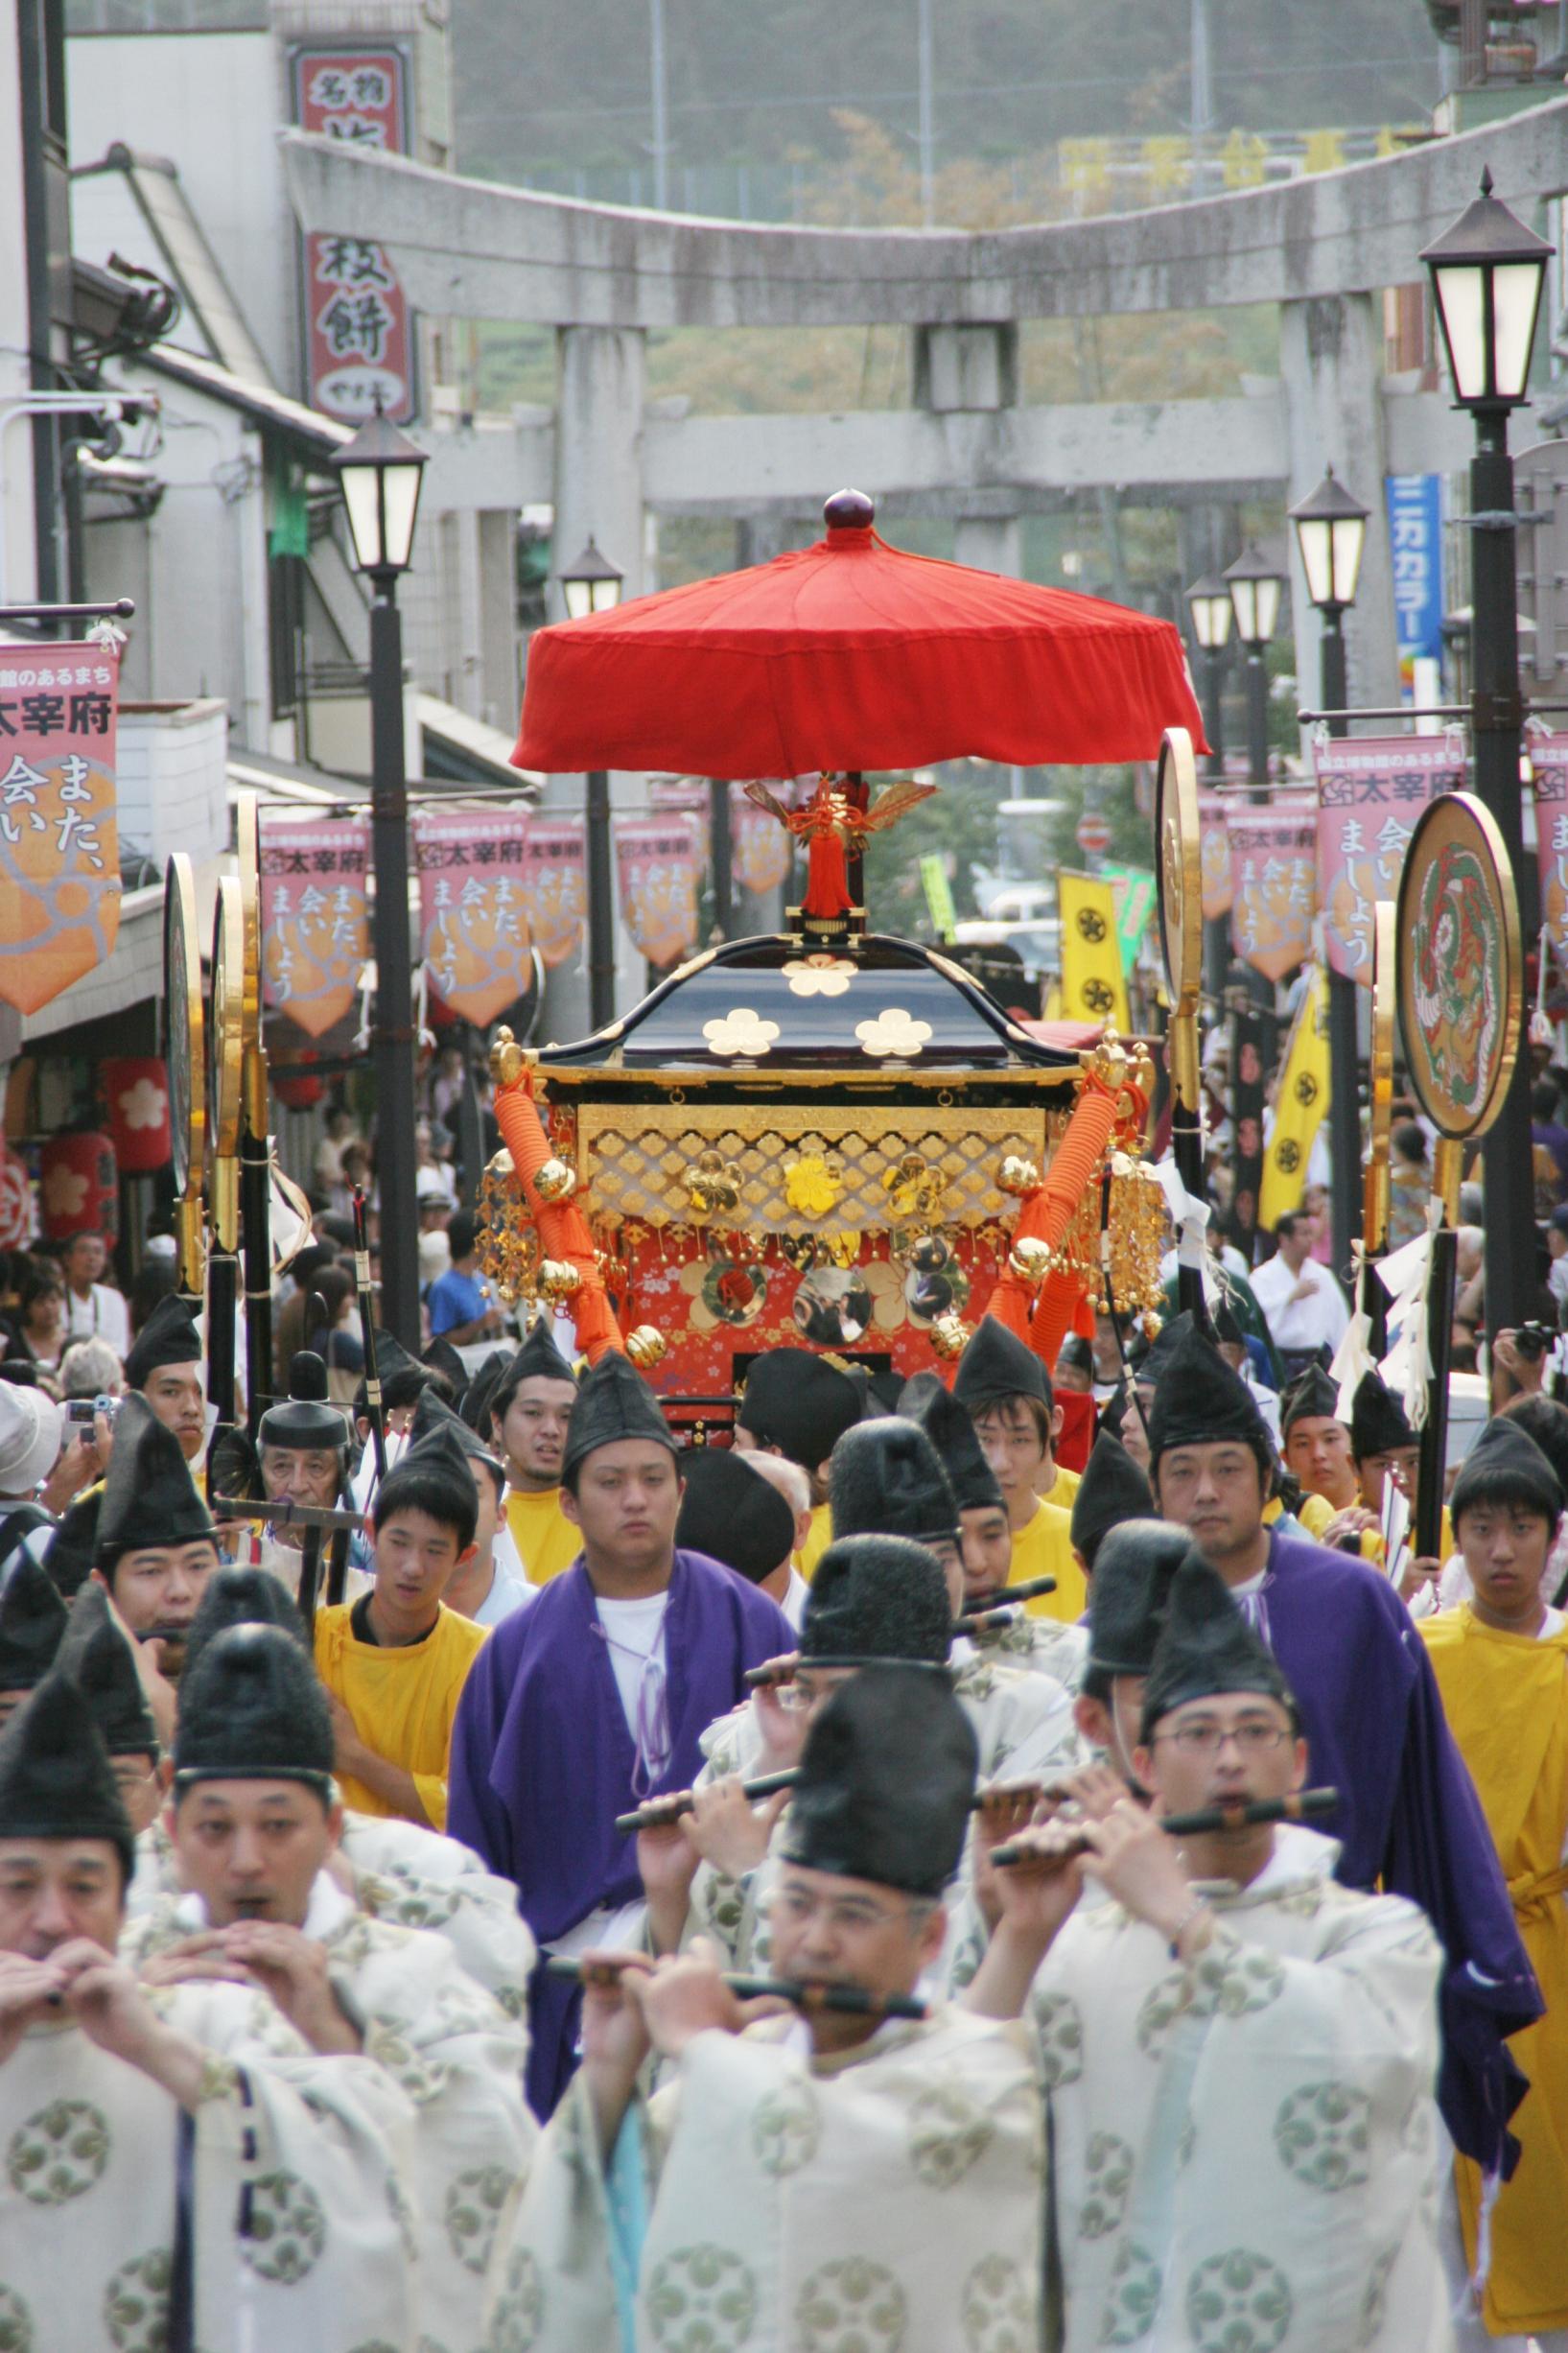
<point x="927" y="117"/>
<point x="659" y="67"/>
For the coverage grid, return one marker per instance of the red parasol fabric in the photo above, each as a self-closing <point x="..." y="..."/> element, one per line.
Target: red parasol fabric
<point x="851" y="656"/>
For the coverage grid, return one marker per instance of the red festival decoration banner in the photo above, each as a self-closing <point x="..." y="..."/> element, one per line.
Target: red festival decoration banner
<point x="656" y="866"/>
<point x="1274" y="869"/>
<point x="473" y="922"/>
<point x="1549" y="757"/>
<point x="1214" y="844"/>
<point x="688" y="797"/>
<point x="761" y="851"/>
<point x="555" y="885"/>
<point x="1371" y="791"/>
<point x="60" y="844"/>
<point x="357" y="328"/>
<point x="316" y="916"/>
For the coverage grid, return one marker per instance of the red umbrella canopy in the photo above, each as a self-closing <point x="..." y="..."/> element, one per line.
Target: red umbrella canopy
<point x="852" y="655"/>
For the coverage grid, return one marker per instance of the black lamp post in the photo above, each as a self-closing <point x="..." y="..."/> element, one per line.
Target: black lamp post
<point x="380" y="473"/>
<point x="1255" y="588"/>
<point x="1487" y="276"/>
<point x="1208" y="600"/>
<point x="1331" y="535"/>
<point x="592" y="585"/>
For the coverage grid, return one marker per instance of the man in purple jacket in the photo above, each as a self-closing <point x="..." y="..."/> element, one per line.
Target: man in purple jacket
<point x="1408" y="1816"/>
<point x="593" y="1699"/>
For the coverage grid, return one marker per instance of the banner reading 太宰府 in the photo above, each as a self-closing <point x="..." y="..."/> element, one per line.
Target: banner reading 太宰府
<point x="761" y="851"/>
<point x="60" y="844"/>
<point x="555" y="885"/>
<point x="1371" y="791"/>
<point x="1549" y="757"/>
<point x="315" y="916"/>
<point x="656" y="869"/>
<point x="473" y="923"/>
<point x="1273" y="867"/>
<point x="1214" y="847"/>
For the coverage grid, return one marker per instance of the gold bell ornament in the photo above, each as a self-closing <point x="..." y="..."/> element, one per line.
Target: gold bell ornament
<point x="555" y="1181"/>
<point x="1030" y="1259"/>
<point x="647" y="1346"/>
<point x="1018" y="1175"/>
<point x="950" y="1336"/>
<point x="559" y="1279"/>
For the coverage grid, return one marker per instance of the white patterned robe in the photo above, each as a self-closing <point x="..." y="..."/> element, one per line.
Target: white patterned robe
<point x="1023" y="1724"/>
<point x="459" y="2060"/>
<point x="886" y="2200"/>
<point x="1246" y="2152"/>
<point x="88" y="2192"/>
<point x="410" y="1876"/>
<point x="1037" y="1645"/>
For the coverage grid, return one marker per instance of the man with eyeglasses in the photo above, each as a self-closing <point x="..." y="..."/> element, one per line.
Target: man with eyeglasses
<point x="804" y="2179"/>
<point x="1408" y="1817"/>
<point x="1240" y="2054"/>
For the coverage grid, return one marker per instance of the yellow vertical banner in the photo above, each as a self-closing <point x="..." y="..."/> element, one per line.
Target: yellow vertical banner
<point x="1094" y="986"/>
<point x="1300" y="1106"/>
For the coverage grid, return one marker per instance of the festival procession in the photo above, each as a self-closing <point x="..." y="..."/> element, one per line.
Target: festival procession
<point x="783" y="1454"/>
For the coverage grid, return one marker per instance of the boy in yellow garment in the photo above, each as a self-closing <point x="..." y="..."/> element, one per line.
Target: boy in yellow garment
<point x="394" y="1661"/>
<point x="1501" y="1661"/>
<point x="1008" y="1393"/>
<point x="799" y="1405"/>
<point x="529" y="1409"/>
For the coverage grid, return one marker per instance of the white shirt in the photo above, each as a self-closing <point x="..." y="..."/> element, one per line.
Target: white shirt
<point x="102" y="1315"/>
<point x="507" y="1592"/>
<point x="796" y="1595"/>
<point x="633" y="1633"/>
<point x="1317" y="1321"/>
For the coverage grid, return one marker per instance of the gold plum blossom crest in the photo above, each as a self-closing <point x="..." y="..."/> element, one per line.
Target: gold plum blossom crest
<point x="894" y="1031"/>
<point x="818" y="975"/>
<point x="811" y="1187"/>
<point x="742" y="1030"/>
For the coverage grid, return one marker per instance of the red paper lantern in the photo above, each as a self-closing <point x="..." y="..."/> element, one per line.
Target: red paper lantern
<point x="137" y="1097"/>
<point x="293" y="1087"/>
<point x="79" y="1188"/>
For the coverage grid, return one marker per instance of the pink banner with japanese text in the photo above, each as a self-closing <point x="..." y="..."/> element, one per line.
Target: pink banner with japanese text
<point x="688" y="797"/>
<point x="1215" y="846"/>
<point x="473" y="919"/>
<point x="656" y="868"/>
<point x="555" y="885"/>
<point x="60" y="848"/>
<point x="315" y="916"/>
<point x="1549" y="757"/>
<point x="761" y="852"/>
<point x="1274" y="870"/>
<point x="1371" y="791"/>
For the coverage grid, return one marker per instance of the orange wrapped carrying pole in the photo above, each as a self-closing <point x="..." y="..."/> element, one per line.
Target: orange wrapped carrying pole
<point x="562" y="1228"/>
<point x="1045" y="1217"/>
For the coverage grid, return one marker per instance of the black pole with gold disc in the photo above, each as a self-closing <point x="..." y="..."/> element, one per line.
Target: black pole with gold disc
<point x="1461" y="1016"/>
<point x="225" y="1073"/>
<point x="185" y="1059"/>
<point x="1372" y="1299"/>
<point x="1179" y="860"/>
<point x="255" y="1124"/>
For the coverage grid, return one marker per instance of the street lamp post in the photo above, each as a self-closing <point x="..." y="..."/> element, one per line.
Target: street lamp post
<point x="380" y="473"/>
<point x="1256" y="587"/>
<point x="1331" y="535"/>
<point x="1208" y="600"/>
<point x="592" y="585"/>
<point x="1487" y="276"/>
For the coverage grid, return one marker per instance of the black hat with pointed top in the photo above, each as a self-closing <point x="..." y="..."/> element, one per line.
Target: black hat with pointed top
<point x="539" y="1358"/>
<point x="169" y="1336"/>
<point x="242" y="1597"/>
<point x="951" y="1431"/>
<point x="614" y="1401"/>
<point x="877" y="1597"/>
<point x="55" y="1778"/>
<point x="886" y="1783"/>
<point x="433" y="1419"/>
<point x="1506" y="1466"/>
<point x="996" y="1364"/>
<point x="885" y="1478"/>
<point x="252" y="1710"/>
<point x="1127" y="1592"/>
<point x="733" y="1514"/>
<point x="799" y="1402"/>
<point x="32" y="1625"/>
<point x="1379" y="1423"/>
<point x="1206" y="1647"/>
<point x="149" y="1498"/>
<point x="1312" y="1397"/>
<point x="1112" y="1489"/>
<point x="100" y="1656"/>
<point x="1200" y="1400"/>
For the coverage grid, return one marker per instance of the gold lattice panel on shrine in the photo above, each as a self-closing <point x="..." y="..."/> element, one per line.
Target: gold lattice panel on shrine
<point x="634" y="1160"/>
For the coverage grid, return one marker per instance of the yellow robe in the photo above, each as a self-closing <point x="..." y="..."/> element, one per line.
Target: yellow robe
<point x="818" y="1539"/>
<point x="403" y="1701"/>
<point x="546" y="1540"/>
<point x="1043" y="1548"/>
<point x="1506" y="1698"/>
<point x="1314" y="1514"/>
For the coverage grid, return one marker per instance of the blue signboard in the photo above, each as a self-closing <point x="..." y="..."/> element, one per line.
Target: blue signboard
<point x="1415" y="539"/>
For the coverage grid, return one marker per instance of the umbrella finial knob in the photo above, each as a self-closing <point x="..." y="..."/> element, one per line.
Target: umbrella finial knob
<point x="848" y="511"/>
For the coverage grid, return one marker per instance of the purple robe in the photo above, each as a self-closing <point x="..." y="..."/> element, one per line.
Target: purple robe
<point x="541" y="1759"/>
<point x="1409" y="1817"/>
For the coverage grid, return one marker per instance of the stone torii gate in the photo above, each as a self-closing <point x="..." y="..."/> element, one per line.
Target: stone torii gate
<point x="602" y="278"/>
